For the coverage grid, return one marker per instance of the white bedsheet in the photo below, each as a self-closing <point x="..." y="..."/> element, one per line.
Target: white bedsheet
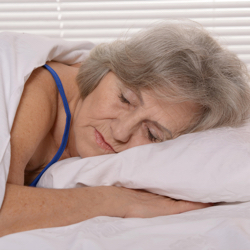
<point x="215" y="228"/>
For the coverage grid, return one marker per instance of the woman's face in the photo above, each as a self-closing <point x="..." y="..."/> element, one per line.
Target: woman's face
<point x="113" y="118"/>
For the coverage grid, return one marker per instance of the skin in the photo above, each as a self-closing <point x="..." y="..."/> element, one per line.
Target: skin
<point x="124" y="119"/>
<point x="111" y="119"/>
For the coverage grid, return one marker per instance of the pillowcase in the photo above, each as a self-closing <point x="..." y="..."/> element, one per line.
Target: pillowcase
<point x="209" y="166"/>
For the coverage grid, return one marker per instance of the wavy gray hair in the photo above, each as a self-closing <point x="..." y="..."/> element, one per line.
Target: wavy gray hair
<point x="179" y="61"/>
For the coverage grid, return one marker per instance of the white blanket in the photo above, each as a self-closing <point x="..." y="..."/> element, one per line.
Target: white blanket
<point x="226" y="226"/>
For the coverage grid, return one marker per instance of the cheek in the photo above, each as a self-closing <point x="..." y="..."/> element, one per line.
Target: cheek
<point x="139" y="138"/>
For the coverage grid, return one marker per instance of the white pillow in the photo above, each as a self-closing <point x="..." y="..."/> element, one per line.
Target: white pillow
<point x="210" y="166"/>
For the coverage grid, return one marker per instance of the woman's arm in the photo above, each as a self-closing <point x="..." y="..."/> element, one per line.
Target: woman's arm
<point x="27" y="208"/>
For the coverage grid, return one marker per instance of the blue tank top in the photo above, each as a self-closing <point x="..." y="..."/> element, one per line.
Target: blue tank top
<point x="67" y="125"/>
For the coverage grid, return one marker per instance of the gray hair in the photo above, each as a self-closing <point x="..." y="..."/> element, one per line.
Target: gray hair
<point x="179" y="61"/>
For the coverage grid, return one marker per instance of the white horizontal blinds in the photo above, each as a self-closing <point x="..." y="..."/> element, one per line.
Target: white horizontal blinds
<point x="100" y="21"/>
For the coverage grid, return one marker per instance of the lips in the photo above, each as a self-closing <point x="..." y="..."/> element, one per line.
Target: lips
<point x="101" y="141"/>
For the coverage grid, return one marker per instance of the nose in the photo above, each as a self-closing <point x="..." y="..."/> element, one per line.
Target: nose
<point x="123" y="128"/>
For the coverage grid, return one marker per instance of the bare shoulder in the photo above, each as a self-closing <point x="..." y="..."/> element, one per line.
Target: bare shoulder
<point x="34" y="118"/>
<point x="66" y="72"/>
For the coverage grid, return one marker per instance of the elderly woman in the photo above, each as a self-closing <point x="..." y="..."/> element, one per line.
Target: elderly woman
<point x="164" y="82"/>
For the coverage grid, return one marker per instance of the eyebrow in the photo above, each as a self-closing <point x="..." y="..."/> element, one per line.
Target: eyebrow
<point x="137" y="93"/>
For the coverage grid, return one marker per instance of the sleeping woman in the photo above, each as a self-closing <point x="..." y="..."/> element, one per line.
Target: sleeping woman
<point x="161" y="83"/>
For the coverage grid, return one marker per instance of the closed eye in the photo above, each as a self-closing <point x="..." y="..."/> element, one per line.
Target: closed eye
<point x="123" y="99"/>
<point x="151" y="137"/>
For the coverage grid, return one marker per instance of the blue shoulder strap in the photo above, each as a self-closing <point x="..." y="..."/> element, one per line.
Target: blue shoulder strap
<point x="67" y="126"/>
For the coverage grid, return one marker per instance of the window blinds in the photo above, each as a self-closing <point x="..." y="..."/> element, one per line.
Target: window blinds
<point x="101" y="21"/>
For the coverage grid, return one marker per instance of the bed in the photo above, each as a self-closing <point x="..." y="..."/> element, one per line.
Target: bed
<point x="211" y="166"/>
